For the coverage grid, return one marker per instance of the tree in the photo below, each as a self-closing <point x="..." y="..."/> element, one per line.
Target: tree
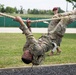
<point x="21" y="10"/>
<point x="15" y="9"/>
<point x="29" y="11"/>
<point x="73" y="2"/>
<point x="2" y="8"/>
<point x="10" y="10"/>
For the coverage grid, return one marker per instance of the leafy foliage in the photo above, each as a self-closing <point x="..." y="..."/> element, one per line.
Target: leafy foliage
<point x="73" y="2"/>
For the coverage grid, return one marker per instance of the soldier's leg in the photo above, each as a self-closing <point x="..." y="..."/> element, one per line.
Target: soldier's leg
<point x="72" y="19"/>
<point x="68" y="19"/>
<point x="68" y="13"/>
<point x="58" y="50"/>
<point x="59" y="40"/>
<point x="54" y="48"/>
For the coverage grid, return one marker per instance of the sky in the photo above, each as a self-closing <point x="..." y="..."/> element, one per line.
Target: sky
<point x="38" y="4"/>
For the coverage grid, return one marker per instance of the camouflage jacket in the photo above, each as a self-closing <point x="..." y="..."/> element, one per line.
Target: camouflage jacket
<point x="37" y="47"/>
<point x="58" y="33"/>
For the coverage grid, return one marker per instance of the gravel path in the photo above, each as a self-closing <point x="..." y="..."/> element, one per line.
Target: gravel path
<point x="66" y="69"/>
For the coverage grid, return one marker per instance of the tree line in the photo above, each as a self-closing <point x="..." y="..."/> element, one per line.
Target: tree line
<point x="36" y="11"/>
<point x="9" y="9"/>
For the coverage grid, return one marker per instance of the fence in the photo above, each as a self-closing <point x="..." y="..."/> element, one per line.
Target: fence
<point x="8" y="22"/>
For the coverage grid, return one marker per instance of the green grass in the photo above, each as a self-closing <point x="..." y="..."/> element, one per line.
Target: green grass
<point x="11" y="50"/>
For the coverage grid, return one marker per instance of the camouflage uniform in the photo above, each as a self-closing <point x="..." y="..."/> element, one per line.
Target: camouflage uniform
<point x="57" y="36"/>
<point x="51" y="27"/>
<point x="38" y="47"/>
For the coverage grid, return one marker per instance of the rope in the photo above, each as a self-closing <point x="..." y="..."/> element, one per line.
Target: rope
<point x="42" y="20"/>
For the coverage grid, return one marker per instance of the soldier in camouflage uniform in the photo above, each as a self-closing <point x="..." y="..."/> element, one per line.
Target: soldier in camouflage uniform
<point x="35" y="51"/>
<point x="58" y="38"/>
<point x="51" y="26"/>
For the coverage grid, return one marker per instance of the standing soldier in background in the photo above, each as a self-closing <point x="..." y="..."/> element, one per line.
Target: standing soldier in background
<point x="34" y="53"/>
<point x="58" y="35"/>
<point x="51" y="26"/>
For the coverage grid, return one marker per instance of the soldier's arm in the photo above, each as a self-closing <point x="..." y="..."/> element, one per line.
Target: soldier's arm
<point x="26" y="31"/>
<point x="19" y="19"/>
<point x="23" y="26"/>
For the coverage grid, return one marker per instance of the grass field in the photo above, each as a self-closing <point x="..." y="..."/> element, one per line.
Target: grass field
<point x="11" y="50"/>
